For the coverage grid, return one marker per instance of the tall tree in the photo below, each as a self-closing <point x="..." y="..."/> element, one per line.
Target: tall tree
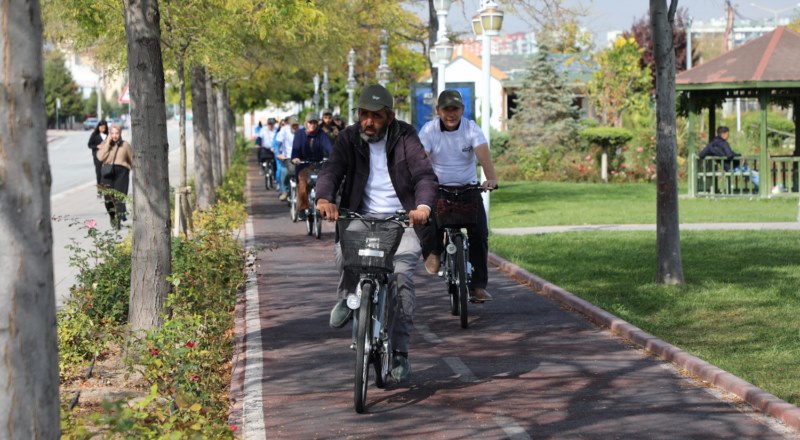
<point x="547" y="119"/>
<point x="669" y="268"/>
<point x="150" y="255"/>
<point x="203" y="165"/>
<point x="641" y="31"/>
<point x="59" y="85"/>
<point x="619" y="83"/>
<point x="29" y="403"/>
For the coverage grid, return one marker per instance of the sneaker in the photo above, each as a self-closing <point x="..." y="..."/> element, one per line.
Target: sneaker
<point x="283" y="197"/>
<point x="340" y="314"/>
<point x="401" y="369"/>
<point x="433" y="263"/>
<point x="479" y="295"/>
<point x="302" y="216"/>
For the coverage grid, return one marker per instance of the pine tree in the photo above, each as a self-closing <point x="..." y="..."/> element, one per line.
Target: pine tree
<point x="547" y="123"/>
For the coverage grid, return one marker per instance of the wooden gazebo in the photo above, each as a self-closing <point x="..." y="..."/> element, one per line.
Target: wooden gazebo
<point x="766" y="68"/>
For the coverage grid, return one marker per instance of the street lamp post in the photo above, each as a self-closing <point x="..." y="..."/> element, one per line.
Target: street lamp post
<point x="325" y="88"/>
<point x="384" y="71"/>
<point x="316" y="93"/>
<point x="487" y="24"/>
<point x="444" y="49"/>
<point x="351" y="84"/>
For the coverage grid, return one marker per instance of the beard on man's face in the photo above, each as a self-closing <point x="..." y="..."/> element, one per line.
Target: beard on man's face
<point x="375" y="137"/>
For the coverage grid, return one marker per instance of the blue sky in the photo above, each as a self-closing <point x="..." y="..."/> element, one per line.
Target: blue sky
<point x="608" y="15"/>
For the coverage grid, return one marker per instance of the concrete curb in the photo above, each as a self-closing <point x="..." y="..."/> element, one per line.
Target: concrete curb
<point x="764" y="401"/>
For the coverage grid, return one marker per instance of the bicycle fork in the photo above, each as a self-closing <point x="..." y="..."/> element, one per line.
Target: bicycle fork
<point x="450" y="249"/>
<point x="378" y="309"/>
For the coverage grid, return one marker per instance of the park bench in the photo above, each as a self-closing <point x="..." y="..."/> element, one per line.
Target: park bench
<point x="714" y="179"/>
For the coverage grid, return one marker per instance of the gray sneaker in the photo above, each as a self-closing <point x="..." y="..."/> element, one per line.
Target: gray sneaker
<point x="340" y="314"/>
<point x="401" y="369"/>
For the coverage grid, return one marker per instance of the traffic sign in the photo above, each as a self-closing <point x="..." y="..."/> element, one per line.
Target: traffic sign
<point x="126" y="97"/>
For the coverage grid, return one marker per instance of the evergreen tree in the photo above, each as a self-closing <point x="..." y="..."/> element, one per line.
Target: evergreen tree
<point x="58" y="83"/>
<point x="547" y="123"/>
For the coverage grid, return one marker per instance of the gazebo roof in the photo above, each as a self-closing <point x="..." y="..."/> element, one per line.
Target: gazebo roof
<point x="767" y="62"/>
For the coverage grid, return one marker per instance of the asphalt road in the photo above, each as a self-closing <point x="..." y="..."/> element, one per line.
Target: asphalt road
<point x="524" y="369"/>
<point x="73" y="196"/>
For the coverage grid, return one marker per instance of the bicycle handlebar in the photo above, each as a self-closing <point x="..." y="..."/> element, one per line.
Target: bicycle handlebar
<point x="464" y="188"/>
<point x="400" y="216"/>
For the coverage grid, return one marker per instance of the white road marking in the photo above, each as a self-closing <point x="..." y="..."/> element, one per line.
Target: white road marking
<point x="460" y="368"/>
<point x="510" y="426"/>
<point x="427" y="334"/>
<point x="253" y="404"/>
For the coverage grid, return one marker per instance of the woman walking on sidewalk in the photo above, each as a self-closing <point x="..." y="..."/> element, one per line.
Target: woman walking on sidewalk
<point x="99" y="135"/>
<point x="117" y="158"/>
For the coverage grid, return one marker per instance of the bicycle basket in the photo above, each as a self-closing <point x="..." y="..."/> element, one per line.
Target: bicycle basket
<point x="369" y="245"/>
<point x="456" y="209"/>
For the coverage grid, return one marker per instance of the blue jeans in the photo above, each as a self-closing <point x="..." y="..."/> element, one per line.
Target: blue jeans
<point x="279" y="176"/>
<point x="753" y="174"/>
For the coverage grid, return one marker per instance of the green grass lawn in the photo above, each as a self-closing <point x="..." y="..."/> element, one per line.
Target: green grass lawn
<point x="520" y="204"/>
<point x="740" y="307"/>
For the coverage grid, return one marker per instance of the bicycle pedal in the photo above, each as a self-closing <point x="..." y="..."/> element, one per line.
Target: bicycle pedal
<point x="353" y="346"/>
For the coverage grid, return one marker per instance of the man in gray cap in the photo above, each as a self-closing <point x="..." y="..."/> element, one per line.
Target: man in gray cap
<point x="382" y="167"/>
<point x="456" y="145"/>
<point x="327" y="124"/>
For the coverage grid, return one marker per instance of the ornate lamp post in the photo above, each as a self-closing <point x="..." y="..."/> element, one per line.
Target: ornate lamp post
<point x="325" y="88"/>
<point x="444" y="49"/>
<point x="383" y="69"/>
<point x="316" y="93"/>
<point x="486" y="25"/>
<point x="351" y="84"/>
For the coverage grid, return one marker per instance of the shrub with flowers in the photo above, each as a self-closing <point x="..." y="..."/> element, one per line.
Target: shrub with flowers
<point x="180" y="371"/>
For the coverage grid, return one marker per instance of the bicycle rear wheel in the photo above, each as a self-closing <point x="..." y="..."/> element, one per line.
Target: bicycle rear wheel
<point x="363" y="343"/>
<point x="461" y="280"/>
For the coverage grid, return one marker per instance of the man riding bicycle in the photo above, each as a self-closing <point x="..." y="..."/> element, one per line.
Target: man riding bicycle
<point x="453" y="143"/>
<point x="264" y="140"/>
<point x="282" y="144"/>
<point x="384" y="168"/>
<point x="311" y="145"/>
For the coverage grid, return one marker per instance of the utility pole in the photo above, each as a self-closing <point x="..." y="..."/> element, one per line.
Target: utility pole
<point x="727" y="43"/>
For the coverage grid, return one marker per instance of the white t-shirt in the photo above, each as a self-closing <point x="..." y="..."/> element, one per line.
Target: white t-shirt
<point x="267" y="136"/>
<point x="286" y="139"/>
<point x="452" y="153"/>
<point x="379" y="194"/>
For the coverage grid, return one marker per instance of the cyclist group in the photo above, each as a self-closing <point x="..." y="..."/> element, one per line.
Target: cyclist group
<point x="376" y="167"/>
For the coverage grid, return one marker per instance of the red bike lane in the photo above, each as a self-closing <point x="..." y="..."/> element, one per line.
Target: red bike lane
<point x="525" y="367"/>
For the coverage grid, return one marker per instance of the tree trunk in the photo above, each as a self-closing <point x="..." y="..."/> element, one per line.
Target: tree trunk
<point x="203" y="172"/>
<point x="222" y="132"/>
<point x="29" y="402"/>
<point x="216" y="165"/>
<point x="185" y="209"/>
<point x="668" y="237"/>
<point x="150" y="253"/>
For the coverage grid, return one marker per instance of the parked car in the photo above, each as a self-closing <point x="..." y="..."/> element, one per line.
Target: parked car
<point x="90" y="123"/>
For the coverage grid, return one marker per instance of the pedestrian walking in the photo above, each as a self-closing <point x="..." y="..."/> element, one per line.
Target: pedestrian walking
<point x="116" y="155"/>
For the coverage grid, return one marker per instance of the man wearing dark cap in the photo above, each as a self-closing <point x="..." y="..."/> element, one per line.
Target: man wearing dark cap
<point x="453" y="144"/>
<point x="310" y="145"/>
<point x="382" y="167"/>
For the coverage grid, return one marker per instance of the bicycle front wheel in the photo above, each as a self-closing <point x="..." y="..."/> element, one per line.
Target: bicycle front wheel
<point x="383" y="353"/>
<point x="293" y="204"/>
<point x="363" y="344"/>
<point x="317" y="226"/>
<point x="461" y="280"/>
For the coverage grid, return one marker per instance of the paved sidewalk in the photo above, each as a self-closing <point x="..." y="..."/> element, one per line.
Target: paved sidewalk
<point x="789" y="226"/>
<point x="526" y="368"/>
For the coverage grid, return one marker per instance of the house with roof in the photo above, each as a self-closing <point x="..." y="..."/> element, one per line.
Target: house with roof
<point x="766" y="69"/>
<point x="464" y="73"/>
